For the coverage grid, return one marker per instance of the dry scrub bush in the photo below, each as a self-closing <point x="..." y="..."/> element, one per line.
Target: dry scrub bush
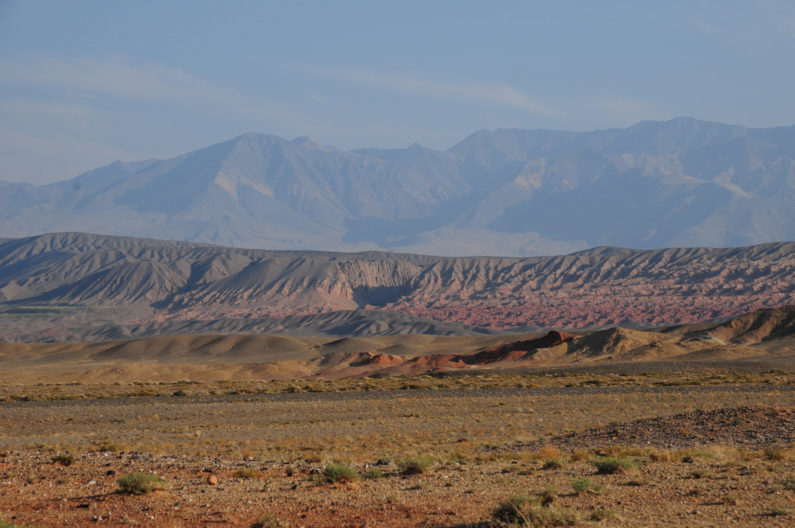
<point x="267" y="520"/>
<point x="549" y="451"/>
<point x="340" y="473"/>
<point x="601" y="514"/>
<point x="64" y="460"/>
<point x="522" y="510"/>
<point x="554" y="463"/>
<point x="140" y="483"/>
<point x="585" y="485"/>
<point x="415" y="465"/>
<point x="246" y="473"/>
<point x="610" y="465"/>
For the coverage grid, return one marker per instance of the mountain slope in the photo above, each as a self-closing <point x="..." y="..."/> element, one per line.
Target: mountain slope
<point x="58" y="282"/>
<point x="682" y="182"/>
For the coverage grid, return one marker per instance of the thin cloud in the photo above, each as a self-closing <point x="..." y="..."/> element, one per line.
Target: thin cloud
<point x="495" y="93"/>
<point x="142" y="81"/>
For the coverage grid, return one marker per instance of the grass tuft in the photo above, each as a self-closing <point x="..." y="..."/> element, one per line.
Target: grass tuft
<point x="521" y="510"/>
<point x="610" y="465"/>
<point x="140" y="483"/>
<point x="64" y="460"/>
<point x="372" y="474"/>
<point x="340" y="473"/>
<point x="585" y="485"/>
<point x="415" y="465"/>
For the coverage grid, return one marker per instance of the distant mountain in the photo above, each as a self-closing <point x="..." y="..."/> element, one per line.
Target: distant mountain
<point x="682" y="182"/>
<point x="71" y="285"/>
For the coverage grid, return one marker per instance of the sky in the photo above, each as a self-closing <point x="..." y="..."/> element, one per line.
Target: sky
<point x="85" y="83"/>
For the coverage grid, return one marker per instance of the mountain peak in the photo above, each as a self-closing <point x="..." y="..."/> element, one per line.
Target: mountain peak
<point x="681" y="182"/>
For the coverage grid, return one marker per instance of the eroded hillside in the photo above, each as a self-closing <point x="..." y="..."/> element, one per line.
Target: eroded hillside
<point x="54" y="280"/>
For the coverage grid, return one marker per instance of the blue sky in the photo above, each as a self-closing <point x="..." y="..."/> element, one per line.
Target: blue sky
<point x="84" y="83"/>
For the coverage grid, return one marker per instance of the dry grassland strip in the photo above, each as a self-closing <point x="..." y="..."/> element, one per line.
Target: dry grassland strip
<point x="269" y="451"/>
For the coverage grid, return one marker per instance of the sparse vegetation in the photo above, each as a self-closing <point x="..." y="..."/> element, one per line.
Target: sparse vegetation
<point x="64" y="460"/>
<point x="601" y="514"/>
<point x="340" y="473"/>
<point x="482" y="446"/>
<point x="547" y="496"/>
<point x="267" y="520"/>
<point x="610" y="465"/>
<point x="246" y="473"/>
<point x="554" y="463"/>
<point x="522" y="510"/>
<point x="373" y="473"/>
<point x="775" y="454"/>
<point x="585" y="485"/>
<point x="415" y="465"/>
<point x="140" y="483"/>
<point x="729" y="500"/>
<point x="512" y="510"/>
<point x="4" y="524"/>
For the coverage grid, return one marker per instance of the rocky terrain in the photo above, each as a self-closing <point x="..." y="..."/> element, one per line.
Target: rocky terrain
<point x="682" y="182"/>
<point x="267" y="459"/>
<point x="750" y="427"/>
<point x="73" y="286"/>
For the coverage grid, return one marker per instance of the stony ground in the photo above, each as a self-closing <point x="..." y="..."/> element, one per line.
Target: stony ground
<point x="269" y="454"/>
<point x="749" y="427"/>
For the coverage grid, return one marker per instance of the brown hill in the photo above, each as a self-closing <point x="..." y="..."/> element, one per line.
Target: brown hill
<point x="76" y="286"/>
<point x="254" y="357"/>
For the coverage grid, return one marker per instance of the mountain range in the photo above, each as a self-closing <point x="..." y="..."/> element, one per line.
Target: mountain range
<point x="676" y="183"/>
<point x="74" y="286"/>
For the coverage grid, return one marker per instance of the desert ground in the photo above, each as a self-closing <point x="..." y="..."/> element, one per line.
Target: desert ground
<point x="638" y="445"/>
<point x="690" y="425"/>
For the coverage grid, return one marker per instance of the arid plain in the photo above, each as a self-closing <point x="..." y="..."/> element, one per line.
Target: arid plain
<point x="156" y="383"/>
<point x="687" y="425"/>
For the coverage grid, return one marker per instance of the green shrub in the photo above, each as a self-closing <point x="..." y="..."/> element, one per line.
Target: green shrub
<point x="374" y="473"/>
<point x="64" y="460"/>
<point x="415" y="465"/>
<point x="584" y="485"/>
<point x="140" y="483"/>
<point x="609" y="465"/>
<point x="340" y="473"/>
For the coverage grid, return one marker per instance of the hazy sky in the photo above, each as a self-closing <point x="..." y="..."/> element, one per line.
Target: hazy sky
<point x="84" y="83"/>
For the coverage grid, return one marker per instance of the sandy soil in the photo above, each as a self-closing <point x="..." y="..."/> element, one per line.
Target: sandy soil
<point x="269" y="454"/>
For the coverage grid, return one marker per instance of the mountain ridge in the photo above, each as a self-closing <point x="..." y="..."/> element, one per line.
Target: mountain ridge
<point x="70" y="279"/>
<point x="682" y="182"/>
